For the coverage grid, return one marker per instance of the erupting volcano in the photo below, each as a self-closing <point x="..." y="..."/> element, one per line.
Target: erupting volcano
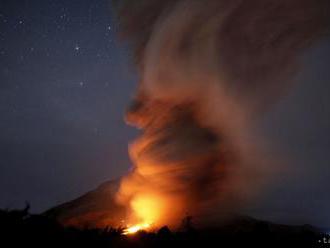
<point x="208" y="70"/>
<point x="170" y="159"/>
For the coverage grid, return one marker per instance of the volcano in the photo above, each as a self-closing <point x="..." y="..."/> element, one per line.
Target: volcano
<point x="98" y="209"/>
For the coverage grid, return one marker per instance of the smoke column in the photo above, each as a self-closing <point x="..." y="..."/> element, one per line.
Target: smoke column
<point x="208" y="70"/>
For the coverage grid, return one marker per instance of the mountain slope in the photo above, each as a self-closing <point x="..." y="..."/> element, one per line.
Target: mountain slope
<point x="96" y="208"/>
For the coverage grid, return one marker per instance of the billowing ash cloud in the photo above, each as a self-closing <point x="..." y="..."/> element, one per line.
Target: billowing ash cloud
<point x="208" y="69"/>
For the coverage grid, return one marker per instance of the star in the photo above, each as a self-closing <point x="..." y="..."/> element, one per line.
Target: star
<point x="76" y="48"/>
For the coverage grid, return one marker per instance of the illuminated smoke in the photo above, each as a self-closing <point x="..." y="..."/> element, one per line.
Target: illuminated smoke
<point x="208" y="69"/>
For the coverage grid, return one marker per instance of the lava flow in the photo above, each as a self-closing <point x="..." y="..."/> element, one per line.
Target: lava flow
<point x="136" y="228"/>
<point x="146" y="212"/>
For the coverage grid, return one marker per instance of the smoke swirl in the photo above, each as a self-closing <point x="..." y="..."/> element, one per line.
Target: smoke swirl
<point x="208" y="69"/>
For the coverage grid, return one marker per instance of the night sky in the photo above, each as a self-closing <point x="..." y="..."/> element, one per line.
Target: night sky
<point x="65" y="81"/>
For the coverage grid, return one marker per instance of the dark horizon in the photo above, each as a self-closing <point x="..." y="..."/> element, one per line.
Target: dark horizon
<point x="66" y="81"/>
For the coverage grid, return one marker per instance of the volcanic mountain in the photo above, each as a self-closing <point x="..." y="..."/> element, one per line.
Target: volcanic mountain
<point x="98" y="208"/>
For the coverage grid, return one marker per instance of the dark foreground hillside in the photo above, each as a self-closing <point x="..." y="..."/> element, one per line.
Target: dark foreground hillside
<point x="18" y="228"/>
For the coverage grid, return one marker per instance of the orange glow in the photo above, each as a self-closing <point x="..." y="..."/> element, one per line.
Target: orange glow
<point x="136" y="228"/>
<point x="148" y="205"/>
<point x="148" y="208"/>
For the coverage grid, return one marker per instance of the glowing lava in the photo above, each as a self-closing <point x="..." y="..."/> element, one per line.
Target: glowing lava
<point x="147" y="210"/>
<point x="136" y="228"/>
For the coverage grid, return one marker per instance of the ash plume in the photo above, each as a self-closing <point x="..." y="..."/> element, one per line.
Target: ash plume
<point x="208" y="70"/>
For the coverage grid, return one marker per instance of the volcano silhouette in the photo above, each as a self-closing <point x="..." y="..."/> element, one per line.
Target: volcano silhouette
<point x="98" y="209"/>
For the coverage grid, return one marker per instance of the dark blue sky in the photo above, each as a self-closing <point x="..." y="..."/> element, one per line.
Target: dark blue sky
<point x="64" y="84"/>
<point x="65" y="81"/>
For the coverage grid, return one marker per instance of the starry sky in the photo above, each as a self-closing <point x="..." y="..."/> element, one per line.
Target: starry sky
<point x="65" y="82"/>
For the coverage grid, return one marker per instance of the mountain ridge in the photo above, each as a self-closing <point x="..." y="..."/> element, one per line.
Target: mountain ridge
<point x="98" y="209"/>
